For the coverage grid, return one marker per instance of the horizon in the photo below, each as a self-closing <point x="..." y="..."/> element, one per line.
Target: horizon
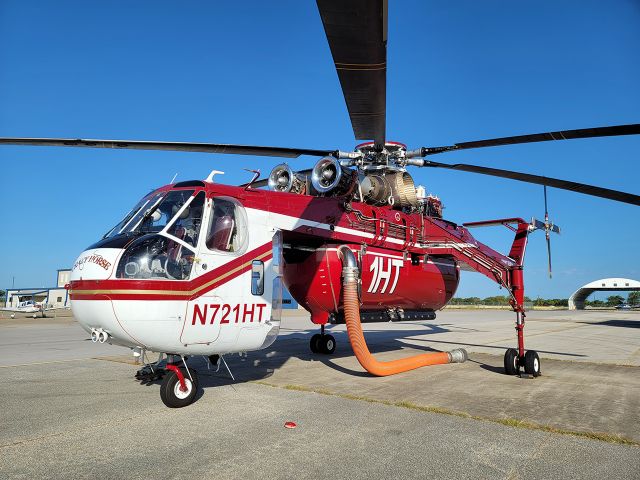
<point x="253" y="73"/>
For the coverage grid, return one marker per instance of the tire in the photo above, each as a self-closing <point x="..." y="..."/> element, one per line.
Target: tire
<point x="511" y="366"/>
<point x="170" y="392"/>
<point x="328" y="344"/>
<point x="532" y="363"/>
<point x="314" y="343"/>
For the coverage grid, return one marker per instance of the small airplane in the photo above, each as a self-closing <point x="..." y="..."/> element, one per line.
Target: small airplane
<point x="26" y="307"/>
<point x="30" y="307"/>
<point x="198" y="267"/>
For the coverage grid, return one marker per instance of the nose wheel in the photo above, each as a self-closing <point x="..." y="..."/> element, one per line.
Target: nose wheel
<point x="322" y="343"/>
<point x="179" y="387"/>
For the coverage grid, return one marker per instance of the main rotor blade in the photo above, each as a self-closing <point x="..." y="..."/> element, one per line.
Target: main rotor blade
<point x="171" y="146"/>
<point x="357" y="35"/>
<point x="612" y="131"/>
<point x="550" y="182"/>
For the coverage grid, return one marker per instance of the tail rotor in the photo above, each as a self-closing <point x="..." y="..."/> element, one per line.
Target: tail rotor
<point x="547" y="226"/>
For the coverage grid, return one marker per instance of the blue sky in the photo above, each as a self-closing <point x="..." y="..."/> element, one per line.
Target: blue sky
<point x="261" y="73"/>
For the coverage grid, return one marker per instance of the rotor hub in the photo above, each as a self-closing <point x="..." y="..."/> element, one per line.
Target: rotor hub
<point x="368" y="157"/>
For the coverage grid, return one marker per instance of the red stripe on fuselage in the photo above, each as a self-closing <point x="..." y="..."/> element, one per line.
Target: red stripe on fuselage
<point x="125" y="289"/>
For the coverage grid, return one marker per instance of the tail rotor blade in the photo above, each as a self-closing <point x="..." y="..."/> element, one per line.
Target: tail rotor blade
<point x="549" y="253"/>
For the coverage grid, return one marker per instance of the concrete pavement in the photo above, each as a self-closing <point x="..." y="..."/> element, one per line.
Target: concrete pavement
<point x="82" y="417"/>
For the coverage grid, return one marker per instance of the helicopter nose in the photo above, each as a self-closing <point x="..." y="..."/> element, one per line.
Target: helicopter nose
<point x="97" y="317"/>
<point x="89" y="289"/>
<point x="95" y="264"/>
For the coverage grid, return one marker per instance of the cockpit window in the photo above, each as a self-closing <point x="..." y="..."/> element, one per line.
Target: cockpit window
<point x="227" y="229"/>
<point x="155" y="257"/>
<point x="186" y="225"/>
<point x="134" y="215"/>
<point x="158" y="216"/>
<point x="171" y="222"/>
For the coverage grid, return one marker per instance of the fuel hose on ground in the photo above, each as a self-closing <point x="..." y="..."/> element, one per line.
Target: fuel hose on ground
<point x="350" y="277"/>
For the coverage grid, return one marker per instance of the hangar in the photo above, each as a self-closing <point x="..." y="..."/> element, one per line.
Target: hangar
<point x="576" y="301"/>
<point x="51" y="296"/>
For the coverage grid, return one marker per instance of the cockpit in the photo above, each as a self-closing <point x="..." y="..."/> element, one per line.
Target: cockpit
<point x="168" y="226"/>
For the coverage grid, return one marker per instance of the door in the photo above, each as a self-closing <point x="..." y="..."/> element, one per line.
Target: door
<point x="234" y="279"/>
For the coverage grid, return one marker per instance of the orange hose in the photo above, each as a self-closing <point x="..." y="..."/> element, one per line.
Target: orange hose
<point x="360" y="349"/>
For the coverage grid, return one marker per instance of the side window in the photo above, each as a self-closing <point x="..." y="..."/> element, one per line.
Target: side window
<point x="187" y="226"/>
<point x="227" y="230"/>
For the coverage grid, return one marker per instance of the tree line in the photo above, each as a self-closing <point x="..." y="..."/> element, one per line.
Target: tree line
<point x="632" y="299"/>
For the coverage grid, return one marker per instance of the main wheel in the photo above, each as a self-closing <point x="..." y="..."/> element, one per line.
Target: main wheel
<point x="328" y="344"/>
<point x="314" y="343"/>
<point x="172" y="395"/>
<point x="532" y="363"/>
<point x="511" y="366"/>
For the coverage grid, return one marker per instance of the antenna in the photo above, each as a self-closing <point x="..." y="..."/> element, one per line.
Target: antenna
<point x="213" y="173"/>
<point x="256" y="174"/>
<point x="174" y="177"/>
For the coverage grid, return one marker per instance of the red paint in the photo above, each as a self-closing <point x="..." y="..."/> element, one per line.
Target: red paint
<point x="178" y="372"/>
<point x="207" y="314"/>
<point x="290" y="425"/>
<point x="387" y="281"/>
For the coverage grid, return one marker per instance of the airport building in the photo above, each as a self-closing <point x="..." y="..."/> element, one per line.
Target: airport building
<point x="53" y="297"/>
<point x="577" y="300"/>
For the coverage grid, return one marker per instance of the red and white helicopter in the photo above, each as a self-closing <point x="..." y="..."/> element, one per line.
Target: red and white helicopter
<point x="198" y="267"/>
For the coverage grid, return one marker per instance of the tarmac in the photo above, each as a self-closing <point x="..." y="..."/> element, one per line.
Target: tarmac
<point x="72" y="409"/>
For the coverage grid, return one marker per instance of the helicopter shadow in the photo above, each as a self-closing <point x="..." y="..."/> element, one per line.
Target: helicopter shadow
<point x="294" y="344"/>
<point x="260" y="365"/>
<point x="617" y="323"/>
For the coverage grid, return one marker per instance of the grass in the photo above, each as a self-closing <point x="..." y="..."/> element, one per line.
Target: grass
<point x="509" y="422"/>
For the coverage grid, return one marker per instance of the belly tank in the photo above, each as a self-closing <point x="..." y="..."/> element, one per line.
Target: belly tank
<point x="394" y="287"/>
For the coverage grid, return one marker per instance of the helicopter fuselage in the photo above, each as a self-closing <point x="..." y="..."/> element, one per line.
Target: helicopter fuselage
<point x="204" y="273"/>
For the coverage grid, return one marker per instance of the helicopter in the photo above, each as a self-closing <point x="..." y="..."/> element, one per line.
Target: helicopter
<point x="199" y="268"/>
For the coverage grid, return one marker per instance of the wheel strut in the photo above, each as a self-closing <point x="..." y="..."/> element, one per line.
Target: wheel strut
<point x="178" y="372"/>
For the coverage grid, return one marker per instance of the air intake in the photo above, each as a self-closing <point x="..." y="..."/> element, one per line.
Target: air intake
<point x="283" y="179"/>
<point x="329" y="177"/>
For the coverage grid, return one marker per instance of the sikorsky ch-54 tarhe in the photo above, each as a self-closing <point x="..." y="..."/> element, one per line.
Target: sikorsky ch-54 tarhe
<point x="198" y="267"/>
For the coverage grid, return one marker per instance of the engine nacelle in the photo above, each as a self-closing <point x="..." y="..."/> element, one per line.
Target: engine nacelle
<point x="283" y="179"/>
<point x="329" y="177"/>
<point x="396" y="189"/>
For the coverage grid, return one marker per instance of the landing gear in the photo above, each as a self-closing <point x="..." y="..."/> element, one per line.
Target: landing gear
<point x="515" y="359"/>
<point x="327" y="344"/>
<point x="314" y="343"/>
<point x="179" y="387"/>
<point x="322" y="343"/>
<point x="532" y="363"/>
<point x="511" y="364"/>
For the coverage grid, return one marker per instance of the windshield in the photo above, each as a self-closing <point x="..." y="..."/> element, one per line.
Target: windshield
<point x="154" y="212"/>
<point x="128" y="221"/>
<point x="158" y="216"/>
